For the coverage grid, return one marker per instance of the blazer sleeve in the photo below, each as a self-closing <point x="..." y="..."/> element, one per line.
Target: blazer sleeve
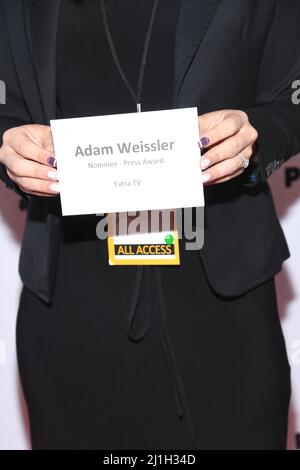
<point x="276" y="116"/>
<point x="13" y="112"/>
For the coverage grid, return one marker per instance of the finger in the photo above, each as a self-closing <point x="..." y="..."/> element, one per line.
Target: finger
<point x="226" y="167"/>
<point x="30" y="150"/>
<point x="226" y="178"/>
<point x="33" y="185"/>
<point x="21" y="167"/>
<point x="228" y="126"/>
<point x="33" y="193"/>
<point x="226" y="149"/>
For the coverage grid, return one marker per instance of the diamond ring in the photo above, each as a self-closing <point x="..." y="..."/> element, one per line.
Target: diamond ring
<point x="245" y="161"/>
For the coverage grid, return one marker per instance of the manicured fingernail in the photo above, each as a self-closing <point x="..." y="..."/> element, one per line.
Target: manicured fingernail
<point x="204" y="142"/>
<point x="51" y="161"/>
<point x="53" y="175"/>
<point x="54" y="187"/>
<point x="205" y="163"/>
<point x="206" y="177"/>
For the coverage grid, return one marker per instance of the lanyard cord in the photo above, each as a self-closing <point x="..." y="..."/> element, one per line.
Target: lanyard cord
<point x="179" y="391"/>
<point x="138" y="95"/>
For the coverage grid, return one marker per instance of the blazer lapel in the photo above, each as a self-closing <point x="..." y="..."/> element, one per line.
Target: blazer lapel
<point x="42" y="23"/>
<point x="42" y="20"/>
<point x="194" y="19"/>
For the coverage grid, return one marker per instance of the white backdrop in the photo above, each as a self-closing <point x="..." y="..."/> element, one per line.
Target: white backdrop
<point x="13" y="419"/>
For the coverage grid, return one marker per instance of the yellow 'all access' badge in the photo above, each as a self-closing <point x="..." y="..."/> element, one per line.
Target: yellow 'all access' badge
<point x="153" y="248"/>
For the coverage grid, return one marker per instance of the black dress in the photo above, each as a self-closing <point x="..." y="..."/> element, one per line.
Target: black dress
<point x="207" y="372"/>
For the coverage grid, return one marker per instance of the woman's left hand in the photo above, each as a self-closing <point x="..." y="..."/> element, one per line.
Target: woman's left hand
<point x="227" y="138"/>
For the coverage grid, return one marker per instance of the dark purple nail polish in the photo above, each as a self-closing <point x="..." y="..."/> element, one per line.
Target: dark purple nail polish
<point x="51" y="161"/>
<point x="204" y="142"/>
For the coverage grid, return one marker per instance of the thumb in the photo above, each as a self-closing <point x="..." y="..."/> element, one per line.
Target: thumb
<point x="209" y="121"/>
<point x="41" y="136"/>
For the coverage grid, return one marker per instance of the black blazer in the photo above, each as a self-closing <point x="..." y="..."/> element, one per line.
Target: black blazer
<point x="238" y="54"/>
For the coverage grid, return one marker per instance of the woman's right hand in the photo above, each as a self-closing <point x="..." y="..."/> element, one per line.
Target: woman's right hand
<point x="28" y="155"/>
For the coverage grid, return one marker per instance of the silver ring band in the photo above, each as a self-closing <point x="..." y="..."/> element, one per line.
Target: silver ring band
<point x="245" y="161"/>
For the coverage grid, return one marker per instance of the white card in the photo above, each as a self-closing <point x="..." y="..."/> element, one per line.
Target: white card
<point x="129" y="162"/>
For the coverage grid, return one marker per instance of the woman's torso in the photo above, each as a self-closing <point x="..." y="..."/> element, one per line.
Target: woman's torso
<point x="88" y="82"/>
